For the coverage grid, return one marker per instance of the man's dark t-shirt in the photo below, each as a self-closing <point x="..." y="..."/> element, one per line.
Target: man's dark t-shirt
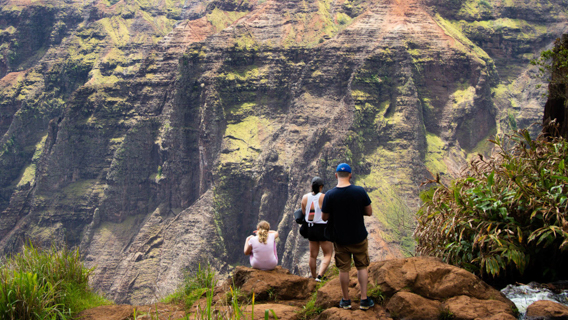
<point x="346" y="209"/>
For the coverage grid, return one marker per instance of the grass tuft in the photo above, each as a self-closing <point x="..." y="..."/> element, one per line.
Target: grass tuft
<point x="376" y="293"/>
<point x="194" y="287"/>
<point x="45" y="284"/>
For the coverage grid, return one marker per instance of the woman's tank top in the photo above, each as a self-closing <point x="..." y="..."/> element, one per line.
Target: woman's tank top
<point x="313" y="210"/>
<point x="263" y="256"/>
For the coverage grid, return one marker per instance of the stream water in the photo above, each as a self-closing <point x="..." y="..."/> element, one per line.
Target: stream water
<point x="524" y="295"/>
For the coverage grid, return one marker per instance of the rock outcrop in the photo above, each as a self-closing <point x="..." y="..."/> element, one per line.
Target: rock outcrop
<point x="546" y="310"/>
<point x="412" y="288"/>
<point x="424" y="288"/>
<point x="154" y="135"/>
<point x="278" y="284"/>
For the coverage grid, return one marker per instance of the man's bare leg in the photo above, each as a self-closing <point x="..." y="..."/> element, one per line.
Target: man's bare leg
<point x="362" y="276"/>
<point x="344" y="281"/>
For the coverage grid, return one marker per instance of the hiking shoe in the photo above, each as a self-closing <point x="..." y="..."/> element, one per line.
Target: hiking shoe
<point x="366" y="304"/>
<point x="345" y="304"/>
<point x="320" y="278"/>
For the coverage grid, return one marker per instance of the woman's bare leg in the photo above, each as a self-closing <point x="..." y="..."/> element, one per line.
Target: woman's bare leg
<point x="327" y="248"/>
<point x="314" y="251"/>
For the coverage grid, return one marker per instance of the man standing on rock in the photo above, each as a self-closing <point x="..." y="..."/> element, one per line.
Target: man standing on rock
<point x="345" y="206"/>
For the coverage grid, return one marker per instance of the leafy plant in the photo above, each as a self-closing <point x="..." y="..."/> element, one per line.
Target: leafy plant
<point x="376" y="293"/>
<point x="553" y="66"/>
<point x="202" y="283"/>
<point x="194" y="287"/>
<point x="266" y="314"/>
<point x="45" y="284"/>
<point x="310" y="310"/>
<point x="446" y="314"/>
<point x="506" y="214"/>
<point x="272" y="295"/>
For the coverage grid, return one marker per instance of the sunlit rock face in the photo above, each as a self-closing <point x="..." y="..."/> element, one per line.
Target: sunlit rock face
<point x="155" y="135"/>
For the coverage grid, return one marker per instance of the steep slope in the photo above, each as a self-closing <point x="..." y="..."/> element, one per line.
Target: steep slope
<point x="156" y="134"/>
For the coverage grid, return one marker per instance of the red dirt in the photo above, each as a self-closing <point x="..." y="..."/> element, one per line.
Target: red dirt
<point x="158" y="311"/>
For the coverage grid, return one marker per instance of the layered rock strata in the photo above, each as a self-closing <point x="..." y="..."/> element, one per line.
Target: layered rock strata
<point x="156" y="135"/>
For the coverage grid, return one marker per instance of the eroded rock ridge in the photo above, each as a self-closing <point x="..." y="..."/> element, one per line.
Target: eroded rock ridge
<point x="154" y="135"/>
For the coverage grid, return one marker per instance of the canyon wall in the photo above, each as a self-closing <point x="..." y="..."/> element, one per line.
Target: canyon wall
<point x="155" y="134"/>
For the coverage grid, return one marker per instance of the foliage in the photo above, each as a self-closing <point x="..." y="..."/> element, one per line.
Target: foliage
<point x="506" y="215"/>
<point x="310" y="310"/>
<point x="234" y="312"/>
<point x="45" y="284"/>
<point x="556" y="60"/>
<point x="376" y="292"/>
<point x="446" y="314"/>
<point x="203" y="283"/>
<point x="194" y="287"/>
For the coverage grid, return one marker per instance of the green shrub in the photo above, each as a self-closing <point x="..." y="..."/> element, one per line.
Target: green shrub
<point x="202" y="283"/>
<point x="506" y="216"/>
<point x="310" y="310"/>
<point x="446" y="314"/>
<point x="23" y="297"/>
<point x="45" y="284"/>
<point x="194" y="287"/>
<point x="376" y="292"/>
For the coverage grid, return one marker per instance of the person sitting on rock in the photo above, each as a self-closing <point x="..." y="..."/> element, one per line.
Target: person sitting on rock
<point x="311" y="206"/>
<point x="262" y="247"/>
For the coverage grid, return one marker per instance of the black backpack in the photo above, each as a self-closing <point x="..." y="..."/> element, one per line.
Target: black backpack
<point x="300" y="219"/>
<point x="299" y="216"/>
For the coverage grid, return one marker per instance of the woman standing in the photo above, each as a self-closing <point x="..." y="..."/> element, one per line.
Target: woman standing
<point x="262" y="247"/>
<point x="311" y="206"/>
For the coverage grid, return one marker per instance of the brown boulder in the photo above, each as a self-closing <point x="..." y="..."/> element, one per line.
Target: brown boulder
<point x="377" y="312"/>
<point x="544" y="310"/>
<point x="329" y="295"/>
<point x="417" y="285"/>
<point x="430" y="278"/>
<point x="407" y="305"/>
<point x="499" y="316"/>
<point x="277" y="284"/>
<point x="114" y="312"/>
<point x="468" y="308"/>
<point x="223" y="310"/>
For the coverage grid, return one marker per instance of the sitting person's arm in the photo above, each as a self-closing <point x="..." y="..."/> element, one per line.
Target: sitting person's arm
<point x="248" y="247"/>
<point x="275" y="233"/>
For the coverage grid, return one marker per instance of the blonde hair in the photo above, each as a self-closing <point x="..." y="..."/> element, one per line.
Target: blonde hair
<point x="262" y="233"/>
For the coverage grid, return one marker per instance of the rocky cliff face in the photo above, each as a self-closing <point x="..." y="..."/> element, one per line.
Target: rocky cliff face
<point x="154" y="135"/>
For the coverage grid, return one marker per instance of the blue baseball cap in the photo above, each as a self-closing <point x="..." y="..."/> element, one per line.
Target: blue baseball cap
<point x="343" y="167"/>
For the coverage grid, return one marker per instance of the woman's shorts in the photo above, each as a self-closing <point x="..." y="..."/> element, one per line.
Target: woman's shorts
<point x="315" y="232"/>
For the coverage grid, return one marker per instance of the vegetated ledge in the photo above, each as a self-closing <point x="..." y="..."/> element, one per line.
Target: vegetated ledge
<point x="410" y="288"/>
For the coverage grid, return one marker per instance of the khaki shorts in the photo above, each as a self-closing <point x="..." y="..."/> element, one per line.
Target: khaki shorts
<point x="358" y="251"/>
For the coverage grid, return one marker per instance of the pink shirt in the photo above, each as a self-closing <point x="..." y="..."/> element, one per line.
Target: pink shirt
<point x="263" y="255"/>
